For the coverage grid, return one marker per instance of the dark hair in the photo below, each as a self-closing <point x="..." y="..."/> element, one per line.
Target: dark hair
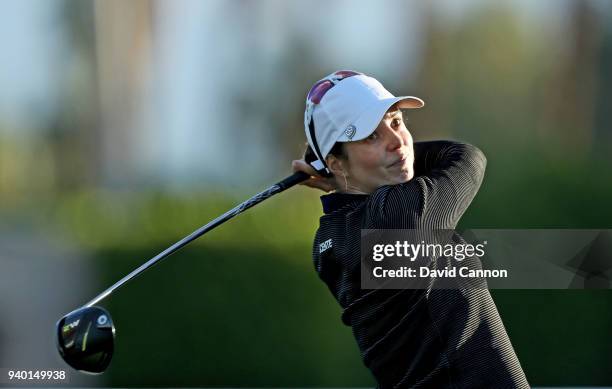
<point x="337" y="150"/>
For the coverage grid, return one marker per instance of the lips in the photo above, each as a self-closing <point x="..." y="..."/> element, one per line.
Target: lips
<point x="399" y="162"/>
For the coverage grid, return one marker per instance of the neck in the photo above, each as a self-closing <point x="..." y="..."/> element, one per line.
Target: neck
<point x="353" y="190"/>
<point x="348" y="188"/>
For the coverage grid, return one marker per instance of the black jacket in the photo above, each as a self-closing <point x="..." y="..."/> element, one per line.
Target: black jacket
<point x="435" y="338"/>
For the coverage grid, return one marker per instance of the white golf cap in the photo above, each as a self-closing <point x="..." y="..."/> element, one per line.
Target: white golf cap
<point x="350" y="111"/>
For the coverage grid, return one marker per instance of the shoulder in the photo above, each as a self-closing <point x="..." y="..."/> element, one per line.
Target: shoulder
<point x="389" y="201"/>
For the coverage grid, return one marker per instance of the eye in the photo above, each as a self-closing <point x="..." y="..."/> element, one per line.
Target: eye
<point x="396" y="122"/>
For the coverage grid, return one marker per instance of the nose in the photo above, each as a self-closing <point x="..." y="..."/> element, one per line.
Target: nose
<point x="394" y="139"/>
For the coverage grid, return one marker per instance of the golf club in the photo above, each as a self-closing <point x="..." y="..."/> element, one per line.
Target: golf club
<point x="85" y="336"/>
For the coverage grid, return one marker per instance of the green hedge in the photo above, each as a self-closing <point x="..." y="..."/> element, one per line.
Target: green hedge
<point x="230" y="317"/>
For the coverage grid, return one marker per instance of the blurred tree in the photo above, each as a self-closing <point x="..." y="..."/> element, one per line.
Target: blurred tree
<point x="571" y="89"/>
<point x="74" y="133"/>
<point x="603" y="97"/>
<point x="477" y="74"/>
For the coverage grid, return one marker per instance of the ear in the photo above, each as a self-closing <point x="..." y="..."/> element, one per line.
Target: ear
<point x="335" y="165"/>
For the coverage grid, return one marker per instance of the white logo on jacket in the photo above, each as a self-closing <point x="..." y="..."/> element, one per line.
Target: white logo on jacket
<point x="325" y="245"/>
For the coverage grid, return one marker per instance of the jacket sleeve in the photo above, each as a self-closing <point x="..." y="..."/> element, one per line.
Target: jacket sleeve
<point x="447" y="177"/>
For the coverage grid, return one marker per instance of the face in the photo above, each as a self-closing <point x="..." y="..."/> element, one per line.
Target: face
<point x="386" y="157"/>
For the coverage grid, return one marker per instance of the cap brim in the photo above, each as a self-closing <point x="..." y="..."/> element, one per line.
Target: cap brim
<point x="369" y="120"/>
<point x="409" y="102"/>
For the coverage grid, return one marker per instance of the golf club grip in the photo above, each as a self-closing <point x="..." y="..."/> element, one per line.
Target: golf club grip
<point x="287" y="183"/>
<point x="293" y="179"/>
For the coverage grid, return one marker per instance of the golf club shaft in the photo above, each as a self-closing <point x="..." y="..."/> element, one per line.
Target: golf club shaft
<point x="287" y="183"/>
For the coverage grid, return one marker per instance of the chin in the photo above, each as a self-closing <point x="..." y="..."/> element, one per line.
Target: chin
<point x="405" y="176"/>
<point x="408" y="176"/>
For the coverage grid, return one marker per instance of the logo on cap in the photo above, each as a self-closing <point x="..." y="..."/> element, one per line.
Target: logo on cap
<point x="350" y="131"/>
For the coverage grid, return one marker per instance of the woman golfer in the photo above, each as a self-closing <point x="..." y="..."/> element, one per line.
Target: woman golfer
<point x="361" y="150"/>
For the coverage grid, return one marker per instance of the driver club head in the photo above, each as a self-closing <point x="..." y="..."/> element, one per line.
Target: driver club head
<point x="85" y="339"/>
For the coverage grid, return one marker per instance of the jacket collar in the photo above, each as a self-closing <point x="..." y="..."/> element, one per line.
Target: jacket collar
<point x="334" y="201"/>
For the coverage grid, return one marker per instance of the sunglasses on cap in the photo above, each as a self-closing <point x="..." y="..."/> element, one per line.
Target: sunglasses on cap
<point x="316" y="93"/>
